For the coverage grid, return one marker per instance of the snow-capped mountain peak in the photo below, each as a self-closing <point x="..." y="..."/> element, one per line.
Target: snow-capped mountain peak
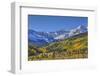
<point x="47" y="37"/>
<point x="80" y="27"/>
<point x="72" y="32"/>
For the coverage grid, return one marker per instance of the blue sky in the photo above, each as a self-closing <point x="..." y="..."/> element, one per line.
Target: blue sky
<point x="46" y="23"/>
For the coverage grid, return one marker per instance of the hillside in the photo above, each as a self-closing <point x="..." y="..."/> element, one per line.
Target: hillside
<point x="74" y="47"/>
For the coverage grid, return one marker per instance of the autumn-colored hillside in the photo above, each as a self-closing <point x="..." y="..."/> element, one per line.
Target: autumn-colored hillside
<point x="71" y="48"/>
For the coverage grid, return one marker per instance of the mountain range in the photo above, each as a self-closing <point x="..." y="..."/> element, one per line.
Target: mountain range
<point x="41" y="38"/>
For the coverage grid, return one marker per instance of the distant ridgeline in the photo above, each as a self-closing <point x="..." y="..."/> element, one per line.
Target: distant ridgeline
<point x="60" y="44"/>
